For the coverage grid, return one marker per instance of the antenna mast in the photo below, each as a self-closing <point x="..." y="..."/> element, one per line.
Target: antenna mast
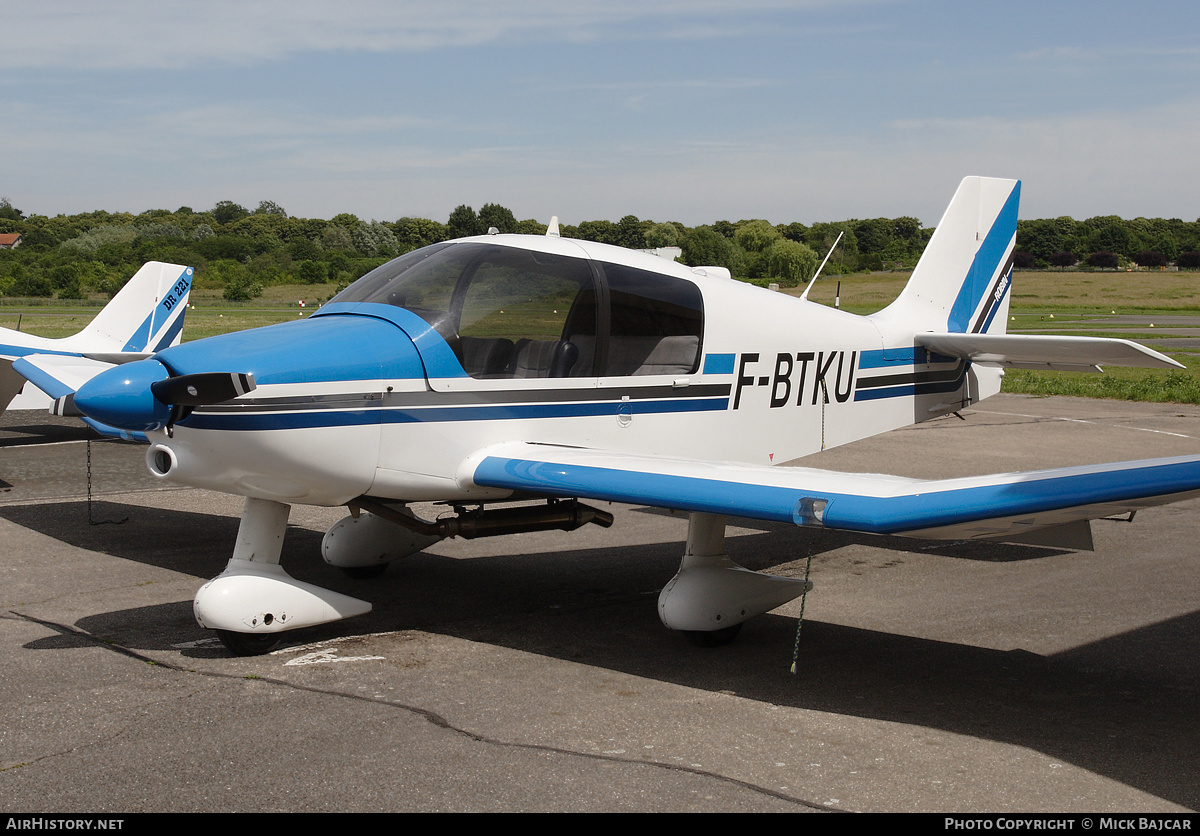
<point x="813" y="281"/>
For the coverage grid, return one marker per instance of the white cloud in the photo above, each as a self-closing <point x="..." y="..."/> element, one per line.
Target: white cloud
<point x="1081" y="165"/>
<point x="149" y="33"/>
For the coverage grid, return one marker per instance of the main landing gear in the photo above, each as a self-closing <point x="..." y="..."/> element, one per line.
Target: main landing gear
<point x="711" y="596"/>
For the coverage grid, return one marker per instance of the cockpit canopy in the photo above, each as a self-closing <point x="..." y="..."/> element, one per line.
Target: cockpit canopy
<point x="512" y="312"/>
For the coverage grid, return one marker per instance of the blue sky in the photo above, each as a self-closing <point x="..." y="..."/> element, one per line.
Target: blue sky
<point x="688" y="111"/>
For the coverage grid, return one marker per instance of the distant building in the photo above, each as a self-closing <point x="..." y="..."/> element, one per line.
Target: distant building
<point x="9" y="240"/>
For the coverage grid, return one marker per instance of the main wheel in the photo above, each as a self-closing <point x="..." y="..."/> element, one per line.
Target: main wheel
<point x="364" y="573"/>
<point x="248" y="644"/>
<point x="713" y="638"/>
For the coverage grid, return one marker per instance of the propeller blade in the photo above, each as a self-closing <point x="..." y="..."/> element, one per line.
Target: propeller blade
<point x="202" y="389"/>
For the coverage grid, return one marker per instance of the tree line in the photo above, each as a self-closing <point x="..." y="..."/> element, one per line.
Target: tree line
<point x="241" y="251"/>
<point x="1108" y="242"/>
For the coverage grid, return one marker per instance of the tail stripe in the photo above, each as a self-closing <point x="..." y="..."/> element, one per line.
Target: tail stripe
<point x="137" y="342"/>
<point x="168" y="337"/>
<point x="999" y="291"/>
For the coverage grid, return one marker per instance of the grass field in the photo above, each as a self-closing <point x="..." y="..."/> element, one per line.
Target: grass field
<point x="1038" y="292"/>
<point x="1159" y="308"/>
<point x="1099" y="304"/>
<point x="210" y="315"/>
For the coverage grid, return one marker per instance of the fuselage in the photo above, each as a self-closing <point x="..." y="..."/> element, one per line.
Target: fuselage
<point x="393" y="386"/>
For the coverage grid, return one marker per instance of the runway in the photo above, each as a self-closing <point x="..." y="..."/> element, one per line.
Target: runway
<point x="531" y="672"/>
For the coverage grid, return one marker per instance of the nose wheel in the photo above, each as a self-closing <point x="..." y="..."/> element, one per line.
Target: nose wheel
<point x="254" y="600"/>
<point x="248" y="644"/>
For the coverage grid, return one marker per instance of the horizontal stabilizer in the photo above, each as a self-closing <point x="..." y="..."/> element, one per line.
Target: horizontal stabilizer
<point x="1036" y="351"/>
<point x="60" y="376"/>
<point x="1002" y="506"/>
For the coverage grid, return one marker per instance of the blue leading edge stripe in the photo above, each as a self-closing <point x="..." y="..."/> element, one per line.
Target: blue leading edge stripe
<point x="43" y="380"/>
<point x="926" y="508"/>
<point x="764" y="502"/>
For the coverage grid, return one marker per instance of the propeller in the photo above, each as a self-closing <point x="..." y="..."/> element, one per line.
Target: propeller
<point x="203" y="388"/>
<point x="188" y="391"/>
<point x="143" y="396"/>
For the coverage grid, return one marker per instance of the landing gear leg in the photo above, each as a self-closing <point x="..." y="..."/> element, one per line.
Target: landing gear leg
<point x="710" y="596"/>
<point x="254" y="600"/>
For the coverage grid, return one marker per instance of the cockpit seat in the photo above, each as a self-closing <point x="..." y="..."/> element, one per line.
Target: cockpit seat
<point x="652" y="355"/>
<point x="486" y="357"/>
<point x="543" y="358"/>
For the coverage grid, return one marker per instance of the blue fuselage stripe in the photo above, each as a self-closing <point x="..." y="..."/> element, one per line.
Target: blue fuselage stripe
<point x="885" y="358"/>
<point x="908" y="390"/>
<point x="409" y="415"/>
<point x="24" y="350"/>
<point x="890" y="358"/>
<point x="719" y="363"/>
<point x="565" y="410"/>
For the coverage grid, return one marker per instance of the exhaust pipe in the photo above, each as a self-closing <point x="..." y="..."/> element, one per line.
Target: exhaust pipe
<point x="561" y="515"/>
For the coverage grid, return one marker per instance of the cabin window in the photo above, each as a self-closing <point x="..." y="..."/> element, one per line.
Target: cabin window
<point x="656" y="323"/>
<point x="528" y="314"/>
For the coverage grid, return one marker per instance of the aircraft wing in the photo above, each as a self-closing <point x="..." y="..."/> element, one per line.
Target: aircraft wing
<point x="1006" y="506"/>
<point x="61" y="375"/>
<point x="1044" y="351"/>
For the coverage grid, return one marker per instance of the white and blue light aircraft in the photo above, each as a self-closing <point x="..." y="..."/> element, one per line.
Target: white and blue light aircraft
<point x="145" y="316"/>
<point x="499" y="367"/>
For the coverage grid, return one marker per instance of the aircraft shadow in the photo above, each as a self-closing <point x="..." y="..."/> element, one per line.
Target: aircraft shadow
<point x="1121" y="708"/>
<point x="25" y="435"/>
<point x="990" y="551"/>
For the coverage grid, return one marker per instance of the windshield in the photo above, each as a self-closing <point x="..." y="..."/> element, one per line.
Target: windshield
<point x="505" y="311"/>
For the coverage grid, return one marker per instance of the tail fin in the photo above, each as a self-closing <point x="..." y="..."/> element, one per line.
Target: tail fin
<point x="145" y="316"/>
<point x="961" y="283"/>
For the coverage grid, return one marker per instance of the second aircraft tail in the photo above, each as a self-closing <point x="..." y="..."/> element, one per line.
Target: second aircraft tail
<point x="145" y="316"/>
